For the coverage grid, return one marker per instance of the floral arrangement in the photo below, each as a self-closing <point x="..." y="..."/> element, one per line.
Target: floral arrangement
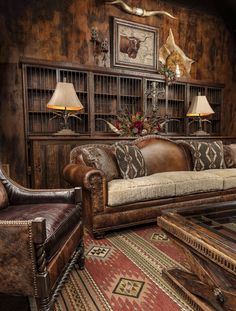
<point x="169" y="74"/>
<point x="137" y="124"/>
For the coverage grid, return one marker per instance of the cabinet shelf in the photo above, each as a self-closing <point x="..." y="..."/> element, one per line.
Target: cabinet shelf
<point x="105" y="92"/>
<point x="105" y="114"/>
<point x="176" y="100"/>
<point x="130" y="96"/>
<point x="49" y="112"/>
<point x="40" y="89"/>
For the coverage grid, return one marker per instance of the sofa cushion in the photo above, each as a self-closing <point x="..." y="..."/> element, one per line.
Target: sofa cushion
<point x="228" y="175"/>
<point x="230" y="155"/>
<point x="207" y="155"/>
<point x="130" y="161"/>
<point x="189" y="182"/>
<point x="161" y="185"/>
<point x="121" y="191"/>
<point x="101" y="159"/>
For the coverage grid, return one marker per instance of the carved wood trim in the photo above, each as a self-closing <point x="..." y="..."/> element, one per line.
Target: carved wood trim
<point x="199" y="245"/>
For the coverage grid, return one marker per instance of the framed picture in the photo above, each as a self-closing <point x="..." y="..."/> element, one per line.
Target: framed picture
<point x="135" y="45"/>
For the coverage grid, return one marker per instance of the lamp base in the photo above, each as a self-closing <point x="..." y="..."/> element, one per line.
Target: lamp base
<point x="66" y="132"/>
<point x="200" y="133"/>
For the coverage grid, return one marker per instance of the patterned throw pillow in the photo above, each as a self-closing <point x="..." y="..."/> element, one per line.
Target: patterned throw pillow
<point x="102" y="160"/>
<point x="207" y="155"/>
<point x="230" y="155"/>
<point x="130" y="161"/>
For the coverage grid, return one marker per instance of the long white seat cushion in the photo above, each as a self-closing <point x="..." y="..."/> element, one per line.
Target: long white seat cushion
<point x="162" y="185"/>
<point x="139" y="189"/>
<point x="228" y="175"/>
<point x="189" y="182"/>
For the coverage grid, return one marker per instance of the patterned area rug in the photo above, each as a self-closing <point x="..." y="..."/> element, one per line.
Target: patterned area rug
<point x="124" y="272"/>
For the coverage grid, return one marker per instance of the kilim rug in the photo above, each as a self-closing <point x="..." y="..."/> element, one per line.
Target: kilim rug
<point x="123" y="272"/>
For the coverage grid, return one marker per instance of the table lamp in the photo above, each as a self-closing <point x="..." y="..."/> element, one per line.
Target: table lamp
<point x="199" y="108"/>
<point x="65" y="99"/>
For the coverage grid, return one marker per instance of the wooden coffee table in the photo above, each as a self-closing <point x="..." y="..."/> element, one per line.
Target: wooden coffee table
<point x="208" y="236"/>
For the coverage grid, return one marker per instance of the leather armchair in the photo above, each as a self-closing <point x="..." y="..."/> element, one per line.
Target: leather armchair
<point x="41" y="238"/>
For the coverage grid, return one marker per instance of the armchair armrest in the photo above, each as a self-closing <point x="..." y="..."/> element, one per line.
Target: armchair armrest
<point x="21" y="195"/>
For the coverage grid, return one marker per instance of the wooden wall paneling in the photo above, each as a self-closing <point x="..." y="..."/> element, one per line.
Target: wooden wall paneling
<point x="48" y="160"/>
<point x="12" y="136"/>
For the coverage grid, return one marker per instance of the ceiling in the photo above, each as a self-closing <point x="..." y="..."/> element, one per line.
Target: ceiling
<point x="226" y="9"/>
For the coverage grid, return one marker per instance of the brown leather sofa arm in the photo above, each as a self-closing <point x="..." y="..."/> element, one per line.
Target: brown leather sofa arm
<point x="21" y="195"/>
<point x="92" y="181"/>
<point x="81" y="175"/>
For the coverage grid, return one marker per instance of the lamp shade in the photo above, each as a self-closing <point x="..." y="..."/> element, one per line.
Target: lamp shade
<point x="65" y="98"/>
<point x="199" y="107"/>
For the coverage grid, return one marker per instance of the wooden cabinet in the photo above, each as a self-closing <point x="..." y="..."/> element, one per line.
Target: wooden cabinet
<point x="103" y="92"/>
<point x="39" y="85"/>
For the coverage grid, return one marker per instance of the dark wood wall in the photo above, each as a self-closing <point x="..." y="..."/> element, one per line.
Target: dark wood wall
<point x="60" y="31"/>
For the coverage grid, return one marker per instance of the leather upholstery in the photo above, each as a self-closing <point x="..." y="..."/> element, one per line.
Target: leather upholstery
<point x="230" y="155"/>
<point x="20" y="195"/>
<point x="60" y="220"/>
<point x="103" y="158"/>
<point x="40" y="233"/>
<point x="16" y="258"/>
<point x="162" y="155"/>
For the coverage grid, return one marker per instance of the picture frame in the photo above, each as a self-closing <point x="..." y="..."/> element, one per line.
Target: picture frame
<point x="134" y="45"/>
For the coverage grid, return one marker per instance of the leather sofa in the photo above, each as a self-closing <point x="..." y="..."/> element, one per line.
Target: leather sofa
<point x="111" y="202"/>
<point x="41" y="238"/>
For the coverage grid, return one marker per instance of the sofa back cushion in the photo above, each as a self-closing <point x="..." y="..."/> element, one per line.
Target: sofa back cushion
<point x="130" y="161"/>
<point x="162" y="155"/>
<point x="101" y="157"/>
<point x="3" y="197"/>
<point x="230" y="155"/>
<point x="207" y="155"/>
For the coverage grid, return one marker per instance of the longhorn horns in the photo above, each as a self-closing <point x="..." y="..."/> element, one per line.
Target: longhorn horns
<point x="138" y="11"/>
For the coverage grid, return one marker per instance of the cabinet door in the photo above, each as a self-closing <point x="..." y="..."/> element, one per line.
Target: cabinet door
<point x="193" y="123"/>
<point x="131" y="100"/>
<point x="214" y="96"/>
<point x="39" y="85"/>
<point x="48" y="158"/>
<point x="210" y="124"/>
<point x="176" y="109"/>
<point x="105" y="101"/>
<point x="170" y="103"/>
